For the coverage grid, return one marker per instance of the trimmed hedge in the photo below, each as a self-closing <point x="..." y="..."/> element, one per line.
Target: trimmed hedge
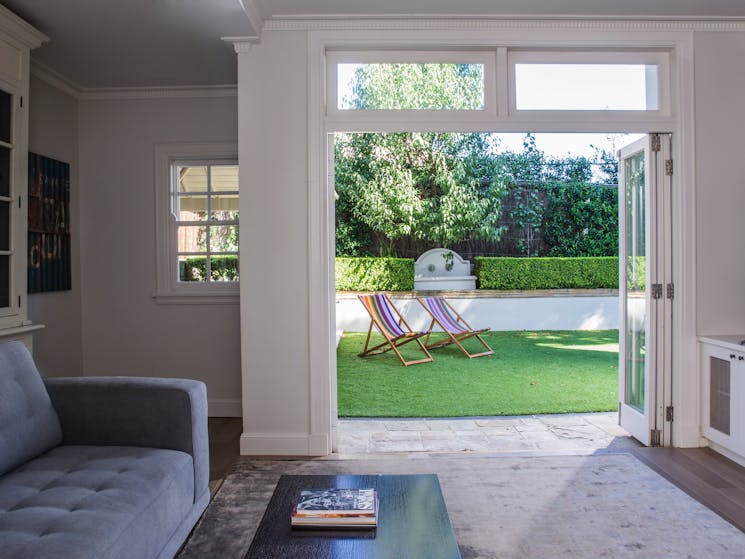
<point x="547" y="273"/>
<point x="374" y="274"/>
<point x="223" y="268"/>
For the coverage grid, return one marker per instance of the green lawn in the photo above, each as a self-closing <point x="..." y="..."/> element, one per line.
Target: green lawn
<point x="529" y="373"/>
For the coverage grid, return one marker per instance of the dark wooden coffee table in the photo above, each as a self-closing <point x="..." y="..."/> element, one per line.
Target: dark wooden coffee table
<point x="412" y="522"/>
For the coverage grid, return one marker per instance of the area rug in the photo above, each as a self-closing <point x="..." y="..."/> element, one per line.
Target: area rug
<point x="603" y="505"/>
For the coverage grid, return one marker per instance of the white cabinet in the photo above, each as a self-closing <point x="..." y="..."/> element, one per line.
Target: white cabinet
<point x="723" y="391"/>
<point x="17" y="38"/>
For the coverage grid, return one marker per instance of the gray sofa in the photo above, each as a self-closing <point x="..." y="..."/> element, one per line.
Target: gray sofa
<point x="98" y="468"/>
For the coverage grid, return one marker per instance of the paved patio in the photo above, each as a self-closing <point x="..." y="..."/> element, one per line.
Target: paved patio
<point x="583" y="433"/>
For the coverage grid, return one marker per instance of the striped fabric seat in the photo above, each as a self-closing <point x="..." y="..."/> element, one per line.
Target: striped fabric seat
<point x="377" y="305"/>
<point x="453" y="324"/>
<point x="396" y="332"/>
<point x="438" y="309"/>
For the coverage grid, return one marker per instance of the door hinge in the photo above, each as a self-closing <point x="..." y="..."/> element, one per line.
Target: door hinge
<point x="19" y="301"/>
<point x="656" y="146"/>
<point x="654" y="437"/>
<point x="670" y="290"/>
<point x="669" y="167"/>
<point x="21" y="101"/>
<point x="656" y="291"/>
<point x="669" y="413"/>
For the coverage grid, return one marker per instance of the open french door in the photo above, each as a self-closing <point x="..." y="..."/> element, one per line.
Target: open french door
<point x="645" y="289"/>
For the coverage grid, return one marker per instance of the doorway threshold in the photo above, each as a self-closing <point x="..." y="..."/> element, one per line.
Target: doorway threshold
<point x="584" y="433"/>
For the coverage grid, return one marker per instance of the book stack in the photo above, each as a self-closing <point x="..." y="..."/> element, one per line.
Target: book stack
<point x="336" y="508"/>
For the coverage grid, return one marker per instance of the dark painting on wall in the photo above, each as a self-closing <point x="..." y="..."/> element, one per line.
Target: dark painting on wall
<point x="48" y="224"/>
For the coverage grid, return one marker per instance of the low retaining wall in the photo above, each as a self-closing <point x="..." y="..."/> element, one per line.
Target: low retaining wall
<point x="564" y="309"/>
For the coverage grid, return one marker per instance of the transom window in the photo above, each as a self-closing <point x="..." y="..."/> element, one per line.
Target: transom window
<point x="412" y="80"/>
<point x="581" y="81"/>
<point x="204" y="201"/>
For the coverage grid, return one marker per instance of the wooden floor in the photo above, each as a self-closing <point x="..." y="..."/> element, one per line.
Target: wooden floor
<point x="225" y="433"/>
<point x="708" y="477"/>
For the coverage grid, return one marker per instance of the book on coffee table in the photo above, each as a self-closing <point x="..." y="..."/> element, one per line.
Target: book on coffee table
<point x="336" y="507"/>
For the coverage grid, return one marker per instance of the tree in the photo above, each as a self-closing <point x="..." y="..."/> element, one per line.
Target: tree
<point x="436" y="187"/>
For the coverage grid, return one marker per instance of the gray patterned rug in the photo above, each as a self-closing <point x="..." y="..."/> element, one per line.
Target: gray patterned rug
<point x="604" y="505"/>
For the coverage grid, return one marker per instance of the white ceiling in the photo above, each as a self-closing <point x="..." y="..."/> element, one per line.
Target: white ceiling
<point x="156" y="43"/>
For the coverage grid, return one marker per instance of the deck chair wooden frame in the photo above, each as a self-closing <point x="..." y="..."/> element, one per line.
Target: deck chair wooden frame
<point x="453" y="325"/>
<point x="381" y="311"/>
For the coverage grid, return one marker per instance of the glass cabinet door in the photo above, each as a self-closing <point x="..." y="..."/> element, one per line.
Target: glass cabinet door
<point x="6" y="198"/>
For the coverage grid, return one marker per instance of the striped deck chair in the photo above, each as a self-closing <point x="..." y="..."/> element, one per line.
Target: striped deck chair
<point x="381" y="312"/>
<point x="453" y="324"/>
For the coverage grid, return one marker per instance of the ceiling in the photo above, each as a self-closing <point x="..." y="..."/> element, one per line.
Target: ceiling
<point x="159" y="43"/>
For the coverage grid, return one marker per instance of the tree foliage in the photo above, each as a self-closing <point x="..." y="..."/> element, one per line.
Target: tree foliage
<point x="446" y="188"/>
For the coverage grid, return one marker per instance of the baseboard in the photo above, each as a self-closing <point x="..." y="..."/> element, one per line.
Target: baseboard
<point x="225" y="407"/>
<point x="284" y="444"/>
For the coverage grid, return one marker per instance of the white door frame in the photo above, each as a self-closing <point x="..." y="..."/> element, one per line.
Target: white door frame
<point x="559" y="35"/>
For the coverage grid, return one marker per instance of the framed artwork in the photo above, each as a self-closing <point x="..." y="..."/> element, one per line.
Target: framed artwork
<point x="48" y="224"/>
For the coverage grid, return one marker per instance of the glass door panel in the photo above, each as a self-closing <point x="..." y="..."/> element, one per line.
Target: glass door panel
<point x="635" y="319"/>
<point x="635" y="207"/>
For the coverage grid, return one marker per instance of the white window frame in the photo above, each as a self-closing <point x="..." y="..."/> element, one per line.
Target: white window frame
<point x="487" y="58"/>
<point x="169" y="290"/>
<point x="659" y="58"/>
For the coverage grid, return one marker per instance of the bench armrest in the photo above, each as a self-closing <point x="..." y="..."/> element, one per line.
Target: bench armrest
<point x="136" y="411"/>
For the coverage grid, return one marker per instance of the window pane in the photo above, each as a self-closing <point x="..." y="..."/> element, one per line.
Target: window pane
<point x="192" y="208"/>
<point x="225" y="178"/>
<point x="192" y="238"/>
<point x="587" y="87"/>
<point x="225" y="208"/>
<point x="410" y="86"/>
<point x="224" y="268"/>
<point x="6" y="103"/>
<point x="4" y="171"/>
<point x="4" y="225"/>
<point x="224" y="238"/>
<point x="192" y="179"/>
<point x="4" y="281"/>
<point x="192" y="268"/>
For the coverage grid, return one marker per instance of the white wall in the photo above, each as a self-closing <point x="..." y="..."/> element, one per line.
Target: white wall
<point x="720" y="181"/>
<point x="53" y="132"/>
<point x="496" y="313"/>
<point x="125" y="331"/>
<point x="273" y="156"/>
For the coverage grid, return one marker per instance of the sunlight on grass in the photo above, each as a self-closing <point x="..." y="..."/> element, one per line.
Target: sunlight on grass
<point x="613" y="348"/>
<point x="530" y="373"/>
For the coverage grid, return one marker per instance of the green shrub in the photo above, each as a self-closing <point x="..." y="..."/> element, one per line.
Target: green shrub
<point x="223" y="268"/>
<point x="547" y="273"/>
<point x="375" y="274"/>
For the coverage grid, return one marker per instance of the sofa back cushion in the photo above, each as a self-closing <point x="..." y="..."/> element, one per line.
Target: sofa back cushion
<point x="28" y="423"/>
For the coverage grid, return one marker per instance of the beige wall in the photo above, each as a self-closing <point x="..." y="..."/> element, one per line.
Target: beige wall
<point x="53" y="132"/>
<point x="720" y="181"/>
<point x="126" y="332"/>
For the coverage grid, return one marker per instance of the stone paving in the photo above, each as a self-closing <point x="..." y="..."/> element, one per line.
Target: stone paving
<point x="583" y="433"/>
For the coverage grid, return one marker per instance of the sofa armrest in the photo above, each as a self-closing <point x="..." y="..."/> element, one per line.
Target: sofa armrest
<point x="136" y="411"/>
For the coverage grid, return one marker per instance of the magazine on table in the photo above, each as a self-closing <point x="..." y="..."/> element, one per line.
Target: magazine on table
<point x="336" y="507"/>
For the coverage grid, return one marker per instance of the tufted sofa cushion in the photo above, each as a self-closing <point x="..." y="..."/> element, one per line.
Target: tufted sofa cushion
<point x="28" y="422"/>
<point x="94" y="501"/>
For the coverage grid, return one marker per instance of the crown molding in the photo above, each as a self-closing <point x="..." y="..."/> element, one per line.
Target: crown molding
<point x="170" y="92"/>
<point x="242" y="45"/>
<point x="253" y="15"/>
<point x="548" y="23"/>
<point x="57" y="80"/>
<point x="20" y="30"/>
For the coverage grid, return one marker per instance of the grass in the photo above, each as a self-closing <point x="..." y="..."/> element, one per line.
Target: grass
<point x="530" y="373"/>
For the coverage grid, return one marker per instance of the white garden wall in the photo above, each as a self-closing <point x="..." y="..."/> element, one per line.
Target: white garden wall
<point x="498" y="312"/>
